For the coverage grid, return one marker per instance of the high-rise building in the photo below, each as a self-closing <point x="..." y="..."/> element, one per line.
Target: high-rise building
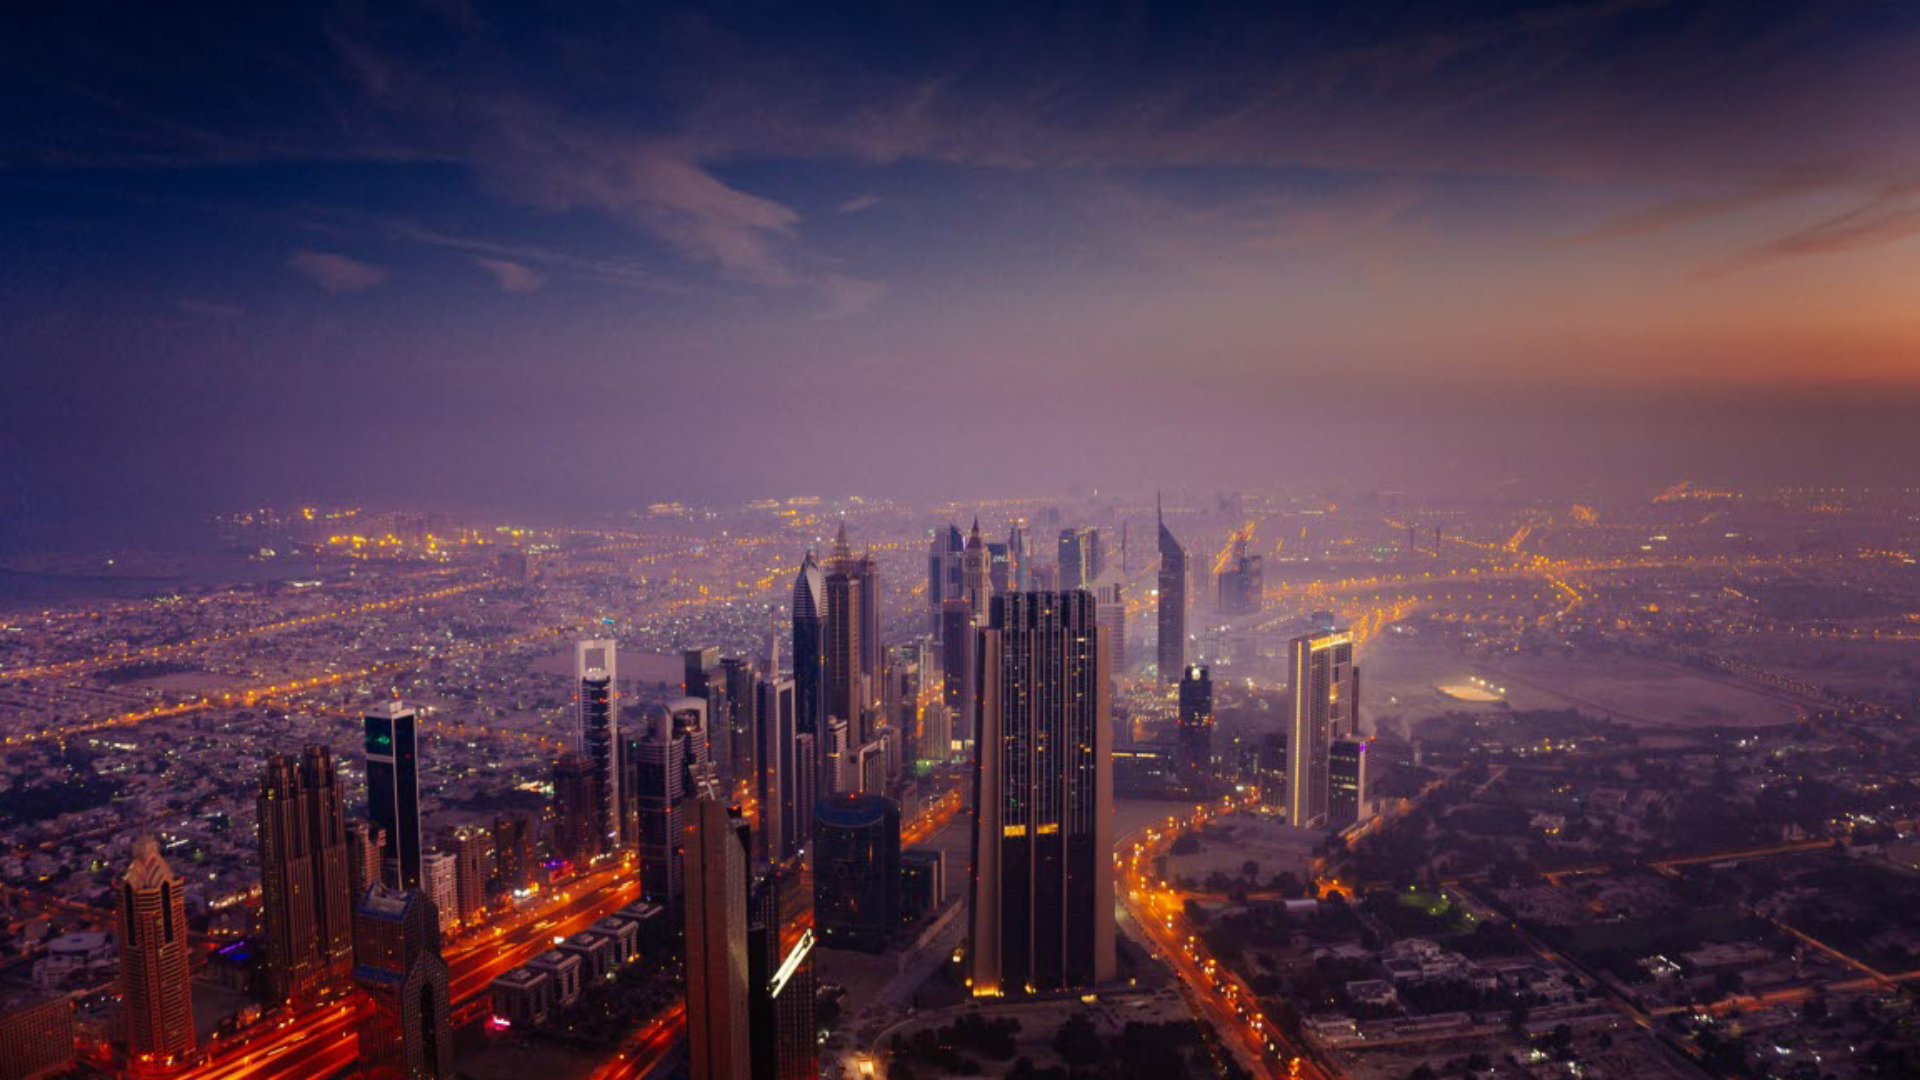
<point x="840" y="773"/>
<point x="576" y="803"/>
<point x="1196" y="723"/>
<point x="440" y="882"/>
<point x="1019" y="556"/>
<point x="1171" y="650"/>
<point x="780" y="980"/>
<point x="1347" y="802"/>
<point x="512" y="850"/>
<point x="156" y="985"/>
<point x="1270" y="769"/>
<point x="305" y="902"/>
<point x="393" y="789"/>
<point x="658" y="769"/>
<point x="598" y="734"/>
<point x="1323" y="706"/>
<point x="1110" y="611"/>
<point x="36" y="1037"/>
<point x="1041" y="892"/>
<point x="809" y="616"/>
<point x="396" y="948"/>
<point x="945" y="578"/>
<point x="743" y="717"/>
<point x="853" y="676"/>
<point x="959" y="670"/>
<point x="999" y="566"/>
<point x="856" y="871"/>
<point x="716" y="945"/>
<point x="1241" y="583"/>
<point x="784" y="827"/>
<point x="976" y="575"/>
<point x="936" y="739"/>
<point x="472" y="850"/>
<point x="365" y="842"/>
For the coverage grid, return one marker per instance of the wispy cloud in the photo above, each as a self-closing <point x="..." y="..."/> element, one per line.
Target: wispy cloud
<point x="1891" y="215"/>
<point x="336" y="273"/>
<point x="511" y="276"/>
<point x="857" y="204"/>
<point x="1694" y="208"/>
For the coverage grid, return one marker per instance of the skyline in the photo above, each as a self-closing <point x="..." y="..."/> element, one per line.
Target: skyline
<point x="328" y="255"/>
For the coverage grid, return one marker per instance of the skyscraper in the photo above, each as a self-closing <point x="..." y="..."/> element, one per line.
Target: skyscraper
<point x="1041" y="892"/>
<point x="365" y="841"/>
<point x="598" y="734"/>
<point x="716" y="946"/>
<point x="512" y="850"/>
<point x="472" y="850"/>
<point x="1241" y="583"/>
<point x="780" y="980"/>
<point x="944" y="576"/>
<point x="1196" y="722"/>
<point x="304" y="884"/>
<point x="576" y="801"/>
<point x="784" y="829"/>
<point x="959" y="671"/>
<point x="658" y="768"/>
<point x="393" y="789"/>
<point x="1323" y="706"/>
<point x="156" y="987"/>
<point x="396" y="948"/>
<point x="440" y="882"/>
<point x="1171" y="650"/>
<point x="1019" y="554"/>
<point x="1347" y="781"/>
<point x="810" y="646"/>
<point x="852" y="639"/>
<point x="856" y="871"/>
<point x="976" y="575"/>
<point x="743" y="717"/>
<point x="1110" y="611"/>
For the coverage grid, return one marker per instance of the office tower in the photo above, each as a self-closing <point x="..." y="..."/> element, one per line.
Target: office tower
<point x="393" y="788"/>
<point x="866" y="574"/>
<point x="806" y="791"/>
<point x="690" y="727"/>
<point x="440" y="881"/>
<point x="923" y="883"/>
<point x="909" y="678"/>
<point x="1347" y="781"/>
<point x="1110" y="612"/>
<point x="1196" y="722"/>
<point x="36" y="1037"/>
<point x="304" y="878"/>
<point x="598" y="735"/>
<point x="1323" y="706"/>
<point x="658" y="757"/>
<point x="839" y="774"/>
<point x="156" y="987"/>
<point x="576" y="802"/>
<point x="1041" y="893"/>
<point x="512" y="850"/>
<point x="743" y="718"/>
<point x="716" y="946"/>
<point x="1069" y="559"/>
<point x="936" y="739"/>
<point x="1019" y="554"/>
<point x="1171" y="650"/>
<point x="780" y="980"/>
<point x="1241" y="582"/>
<point x="856" y="871"/>
<point x="697" y="666"/>
<point x="976" y="575"/>
<point x="1270" y="769"/>
<point x="999" y="567"/>
<point x="783" y="831"/>
<point x="958" y="668"/>
<point x="365" y="842"/>
<point x="396" y="949"/>
<point x="810" y="646"/>
<point x="472" y="850"/>
<point x="945" y="579"/>
<point x="850" y="683"/>
<point x="870" y="767"/>
<point x="706" y="681"/>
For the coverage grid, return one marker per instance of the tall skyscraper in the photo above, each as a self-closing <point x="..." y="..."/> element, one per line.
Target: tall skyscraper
<point x="716" y="946"/>
<point x="472" y="850"/>
<point x="598" y="734"/>
<point x="856" y="871"/>
<point x="658" y="756"/>
<point x="512" y="850"/>
<point x="1110" y="611"/>
<point x="1196" y="722"/>
<point x="852" y="660"/>
<point x="1240" y="585"/>
<point x="945" y="579"/>
<point x="440" y="881"/>
<point x="743" y="717"/>
<point x="1323" y="706"/>
<point x="1041" y="894"/>
<point x="1171" y="651"/>
<point x="304" y="883"/>
<point x="576" y="802"/>
<point x="156" y="986"/>
<point x="393" y="789"/>
<point x="365" y="843"/>
<point x="810" y="646"/>
<point x="976" y="575"/>
<point x="780" y="980"/>
<point x="1347" y="781"/>
<point x="1019" y="554"/>
<point x="784" y="829"/>
<point x="959" y="671"/>
<point x="396" y="948"/>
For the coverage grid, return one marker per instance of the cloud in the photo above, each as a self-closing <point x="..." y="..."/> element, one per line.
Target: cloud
<point x="846" y="296"/>
<point x="336" y="273"/>
<point x="1891" y="215"/>
<point x="511" y="276"/>
<point x="1692" y="208"/>
<point x="857" y="204"/>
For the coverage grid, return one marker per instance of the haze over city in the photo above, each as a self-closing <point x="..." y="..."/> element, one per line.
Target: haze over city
<point x="890" y="541"/>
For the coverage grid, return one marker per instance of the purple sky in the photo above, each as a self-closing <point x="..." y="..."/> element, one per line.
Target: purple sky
<point x="452" y="255"/>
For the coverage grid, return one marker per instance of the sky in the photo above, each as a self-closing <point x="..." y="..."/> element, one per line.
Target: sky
<point x="575" y="260"/>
